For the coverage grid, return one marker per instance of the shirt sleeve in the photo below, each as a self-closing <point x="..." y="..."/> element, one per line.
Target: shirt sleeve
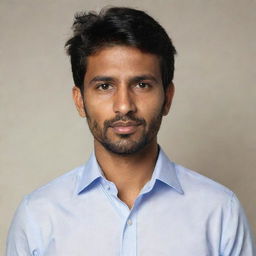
<point x="22" y="233"/>
<point x="237" y="238"/>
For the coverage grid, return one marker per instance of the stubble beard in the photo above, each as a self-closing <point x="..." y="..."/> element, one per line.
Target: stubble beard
<point x="125" y="145"/>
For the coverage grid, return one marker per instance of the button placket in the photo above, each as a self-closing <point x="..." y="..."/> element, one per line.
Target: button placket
<point x="129" y="243"/>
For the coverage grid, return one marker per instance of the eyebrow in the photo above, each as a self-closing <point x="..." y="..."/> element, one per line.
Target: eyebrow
<point x="135" y="79"/>
<point x="102" y="78"/>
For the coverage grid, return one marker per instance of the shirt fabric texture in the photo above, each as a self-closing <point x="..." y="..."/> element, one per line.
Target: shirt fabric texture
<point x="177" y="213"/>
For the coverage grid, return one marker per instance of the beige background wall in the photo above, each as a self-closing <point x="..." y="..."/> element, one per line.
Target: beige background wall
<point x="212" y="126"/>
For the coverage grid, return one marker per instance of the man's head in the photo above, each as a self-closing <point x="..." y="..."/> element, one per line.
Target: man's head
<point x="122" y="63"/>
<point x="118" y="26"/>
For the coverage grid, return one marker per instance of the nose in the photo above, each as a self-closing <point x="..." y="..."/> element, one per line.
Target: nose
<point x="124" y="101"/>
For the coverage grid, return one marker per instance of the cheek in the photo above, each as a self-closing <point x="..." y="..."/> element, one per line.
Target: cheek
<point x="152" y="106"/>
<point x="98" y="111"/>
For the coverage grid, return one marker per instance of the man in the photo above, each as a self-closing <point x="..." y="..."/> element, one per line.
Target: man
<point x="129" y="199"/>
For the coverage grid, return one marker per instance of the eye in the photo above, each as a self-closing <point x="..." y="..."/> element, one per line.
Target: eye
<point x="142" y="85"/>
<point x="104" y="87"/>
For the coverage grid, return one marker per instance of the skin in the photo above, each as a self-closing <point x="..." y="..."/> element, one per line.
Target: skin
<point x="124" y="101"/>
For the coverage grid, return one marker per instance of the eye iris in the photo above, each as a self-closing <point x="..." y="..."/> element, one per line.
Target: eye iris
<point x="104" y="86"/>
<point x="142" y="85"/>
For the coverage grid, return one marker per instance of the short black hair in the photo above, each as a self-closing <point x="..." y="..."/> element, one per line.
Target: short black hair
<point x="118" y="26"/>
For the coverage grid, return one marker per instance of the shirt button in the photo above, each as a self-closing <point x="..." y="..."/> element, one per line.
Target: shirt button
<point x="129" y="222"/>
<point x="108" y="187"/>
<point x="35" y="253"/>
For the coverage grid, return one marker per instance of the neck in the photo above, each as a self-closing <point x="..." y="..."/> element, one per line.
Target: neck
<point x="128" y="172"/>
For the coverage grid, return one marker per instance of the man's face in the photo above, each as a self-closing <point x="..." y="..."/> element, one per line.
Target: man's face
<point x="124" y="99"/>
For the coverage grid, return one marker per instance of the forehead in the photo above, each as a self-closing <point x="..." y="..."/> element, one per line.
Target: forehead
<point x="122" y="62"/>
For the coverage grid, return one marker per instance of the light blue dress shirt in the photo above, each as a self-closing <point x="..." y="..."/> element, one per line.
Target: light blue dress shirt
<point x="177" y="213"/>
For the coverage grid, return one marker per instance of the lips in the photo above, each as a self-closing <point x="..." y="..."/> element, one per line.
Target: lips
<point x="125" y="124"/>
<point x="125" y="127"/>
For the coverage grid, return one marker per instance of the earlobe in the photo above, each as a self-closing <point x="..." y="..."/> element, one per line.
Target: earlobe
<point x="78" y="100"/>
<point x="169" y="92"/>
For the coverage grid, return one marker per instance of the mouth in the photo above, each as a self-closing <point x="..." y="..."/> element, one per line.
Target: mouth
<point x="125" y="127"/>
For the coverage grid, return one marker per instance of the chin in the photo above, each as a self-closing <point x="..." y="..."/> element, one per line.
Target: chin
<point x="125" y="147"/>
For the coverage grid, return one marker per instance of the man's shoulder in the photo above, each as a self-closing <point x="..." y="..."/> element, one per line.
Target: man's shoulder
<point x="199" y="186"/>
<point x="61" y="188"/>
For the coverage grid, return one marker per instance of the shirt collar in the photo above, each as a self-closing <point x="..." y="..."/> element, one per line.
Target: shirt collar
<point x="90" y="173"/>
<point x="164" y="171"/>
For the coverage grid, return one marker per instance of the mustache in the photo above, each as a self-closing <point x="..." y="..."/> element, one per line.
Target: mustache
<point x="124" y="118"/>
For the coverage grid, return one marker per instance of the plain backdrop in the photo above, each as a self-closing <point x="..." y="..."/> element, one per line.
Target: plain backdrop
<point x="211" y="127"/>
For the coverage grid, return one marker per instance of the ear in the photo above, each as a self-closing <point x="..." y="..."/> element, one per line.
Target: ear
<point x="78" y="99"/>
<point x="169" y="92"/>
